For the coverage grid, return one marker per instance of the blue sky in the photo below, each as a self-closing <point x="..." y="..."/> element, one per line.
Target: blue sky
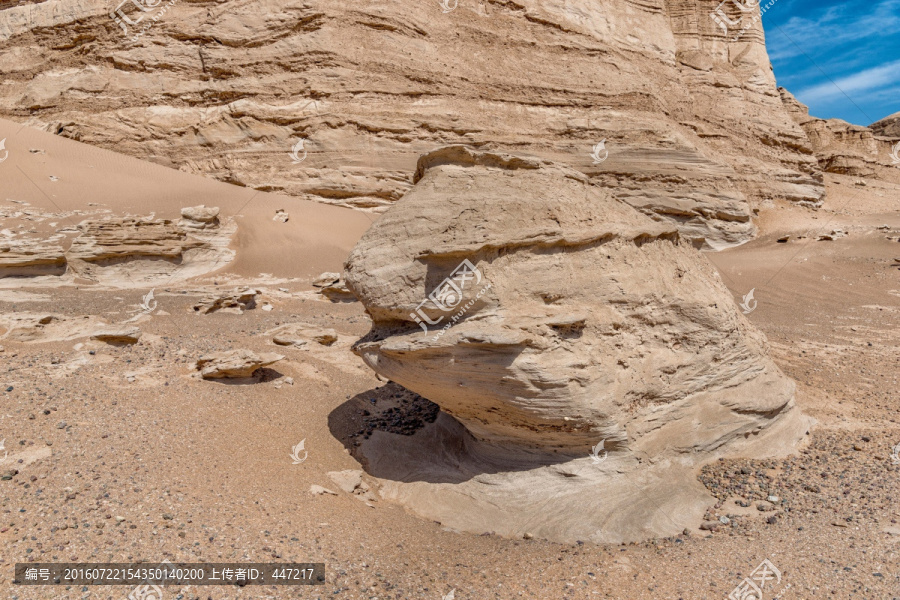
<point x="842" y="59"/>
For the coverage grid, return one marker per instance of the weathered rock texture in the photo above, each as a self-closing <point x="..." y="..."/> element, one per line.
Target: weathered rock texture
<point x="236" y="301"/>
<point x="693" y="123"/>
<point x="583" y="321"/>
<point x="234" y="364"/>
<point x="848" y="149"/>
<point x="123" y="251"/>
<point x="888" y="126"/>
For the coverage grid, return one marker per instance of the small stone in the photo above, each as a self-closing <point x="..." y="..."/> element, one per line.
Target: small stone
<point x="724" y="520"/>
<point x="120" y="519"/>
<point x="527" y="536"/>
<point x="318" y="490"/>
<point x="709" y="525"/>
<point x="773" y="499"/>
<point x="118" y="335"/>
<point x="61" y="425"/>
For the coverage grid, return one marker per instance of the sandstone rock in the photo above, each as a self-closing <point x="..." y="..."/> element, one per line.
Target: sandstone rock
<point x="318" y="490"/>
<point x="199" y="217"/>
<point x="326" y="279"/>
<point x="298" y="334"/>
<point x="234" y="364"/>
<point x="575" y="320"/>
<point x="281" y="216"/>
<point x="333" y="287"/>
<point x="118" y="335"/>
<point x="844" y="148"/>
<point x="22" y="326"/>
<point x="687" y="108"/>
<point x="237" y="302"/>
<point x="129" y="237"/>
<point x="137" y="251"/>
<point x="348" y="480"/>
<point x="30" y="258"/>
<point x="887" y="127"/>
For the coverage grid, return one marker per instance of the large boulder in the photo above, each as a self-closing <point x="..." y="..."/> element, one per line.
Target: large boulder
<point x="558" y="317"/>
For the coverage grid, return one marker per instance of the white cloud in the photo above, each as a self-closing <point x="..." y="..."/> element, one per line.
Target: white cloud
<point x="836" y="26"/>
<point x="870" y="80"/>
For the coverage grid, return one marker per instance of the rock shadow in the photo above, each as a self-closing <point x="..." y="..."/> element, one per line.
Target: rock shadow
<point x="397" y="435"/>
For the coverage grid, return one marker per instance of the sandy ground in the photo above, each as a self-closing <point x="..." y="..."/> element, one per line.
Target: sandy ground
<point x="120" y="453"/>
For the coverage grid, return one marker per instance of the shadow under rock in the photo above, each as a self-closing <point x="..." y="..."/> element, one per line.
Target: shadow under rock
<point x="397" y="435"/>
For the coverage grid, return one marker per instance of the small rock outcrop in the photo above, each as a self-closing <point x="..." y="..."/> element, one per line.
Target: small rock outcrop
<point x="236" y="302"/>
<point x="234" y="364"/>
<point x="118" y="335"/>
<point x="199" y="217"/>
<point x="545" y="316"/>
<point x="887" y="127"/>
<point x="129" y="251"/>
<point x="333" y="287"/>
<point x="28" y="259"/>
<point x="844" y="148"/>
<point x="298" y="334"/>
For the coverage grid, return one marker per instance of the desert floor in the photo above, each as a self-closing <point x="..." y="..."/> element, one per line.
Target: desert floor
<point x="122" y="453"/>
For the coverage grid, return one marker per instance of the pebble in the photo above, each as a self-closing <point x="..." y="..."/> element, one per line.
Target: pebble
<point x="61" y="425"/>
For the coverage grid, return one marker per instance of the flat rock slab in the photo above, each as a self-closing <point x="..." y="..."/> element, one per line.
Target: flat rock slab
<point x="234" y="364"/>
<point x="300" y="333"/>
<point x="118" y="335"/>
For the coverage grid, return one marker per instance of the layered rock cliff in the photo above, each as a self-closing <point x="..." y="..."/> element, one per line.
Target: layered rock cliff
<point x="695" y="132"/>
<point x="848" y="149"/>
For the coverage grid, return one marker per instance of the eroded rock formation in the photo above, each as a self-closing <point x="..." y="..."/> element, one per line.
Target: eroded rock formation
<point x="234" y="364"/>
<point x="694" y="129"/>
<point x="848" y="149"/>
<point x="126" y="251"/>
<point x="560" y="317"/>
